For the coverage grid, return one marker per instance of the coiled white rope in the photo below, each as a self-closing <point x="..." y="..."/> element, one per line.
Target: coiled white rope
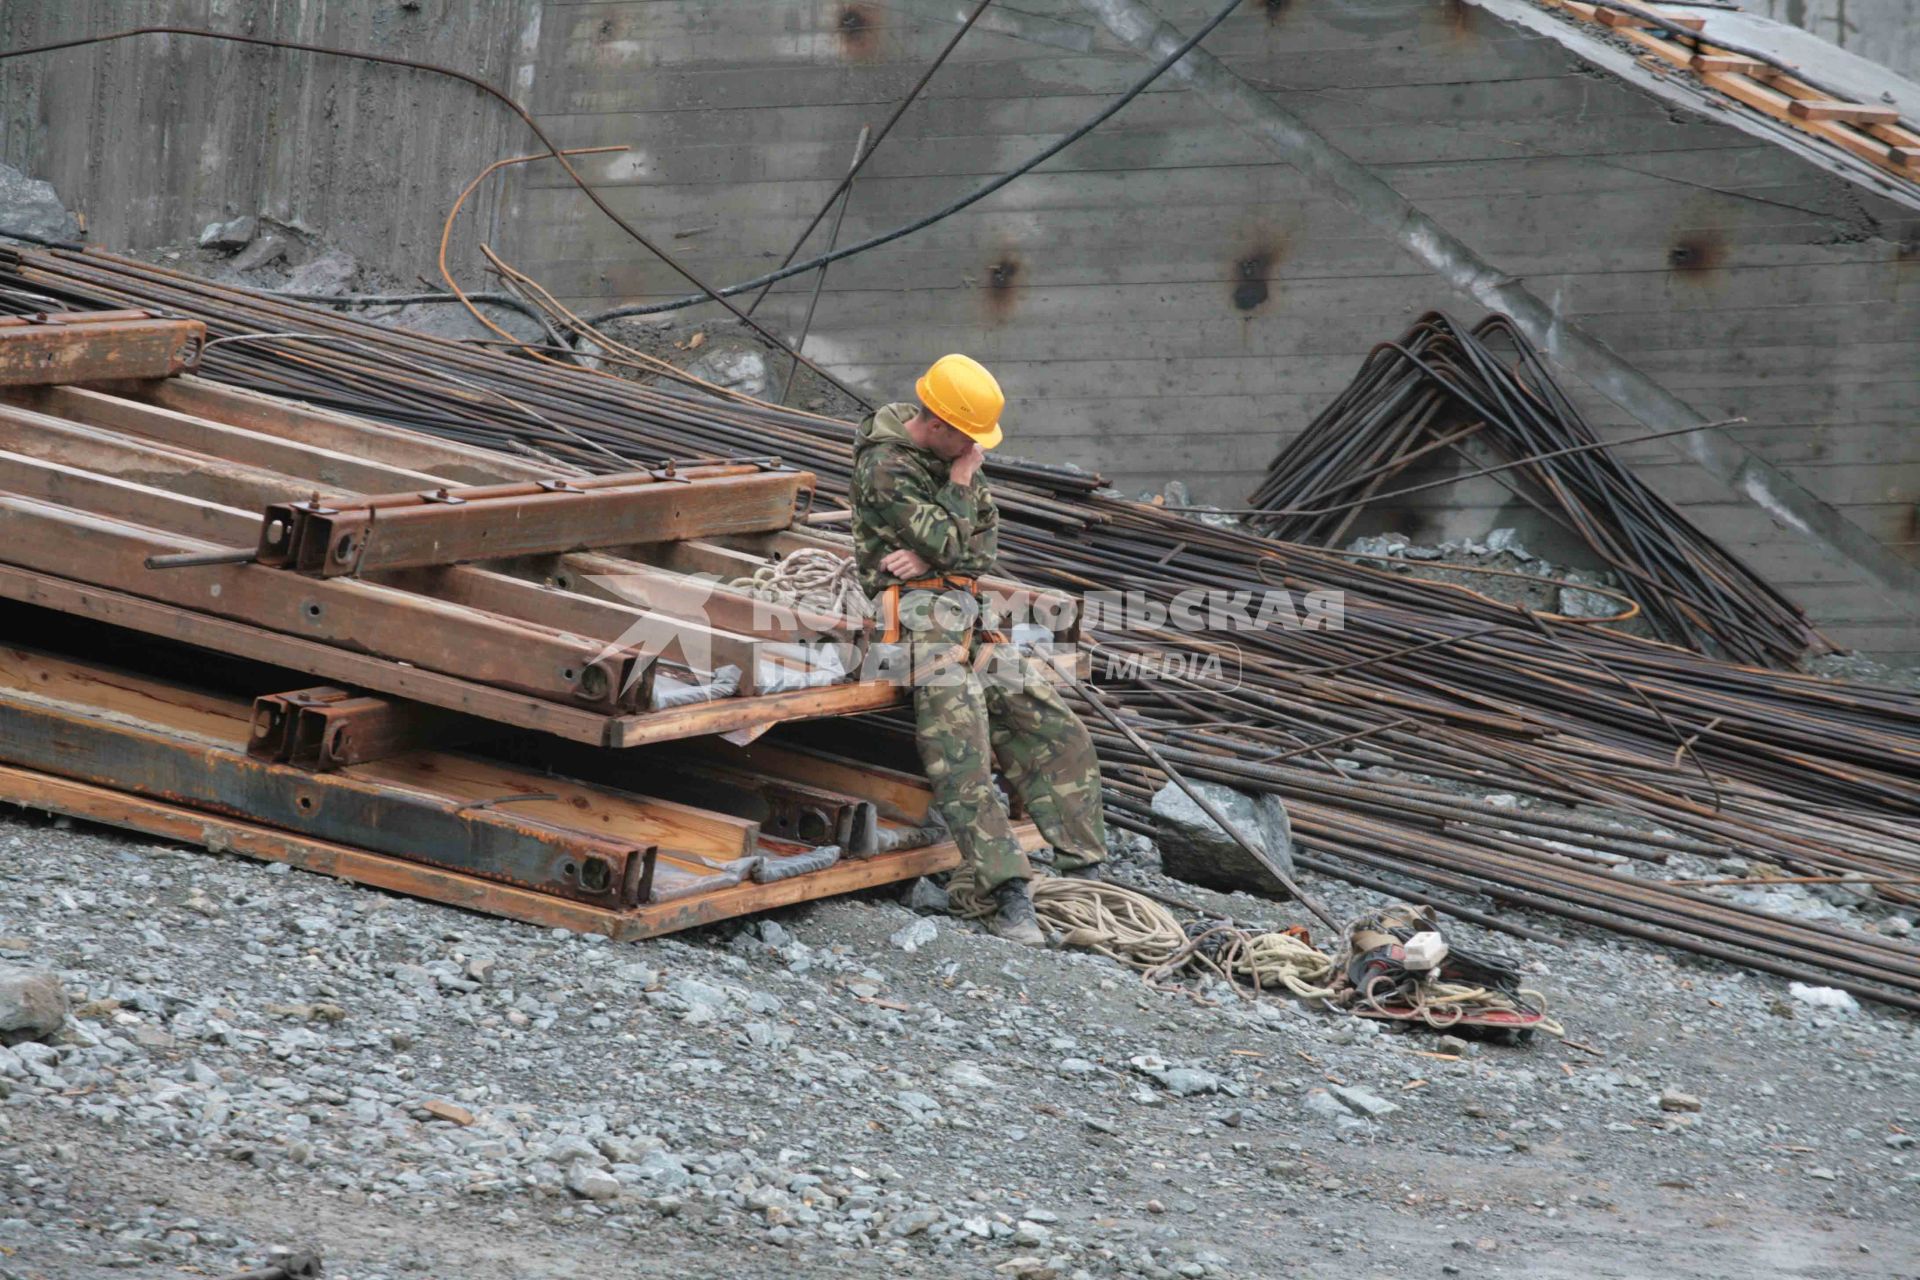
<point x="1133" y="929"/>
<point x="811" y="578"/>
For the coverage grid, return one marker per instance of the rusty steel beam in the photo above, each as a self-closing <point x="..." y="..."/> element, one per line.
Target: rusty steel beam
<point x="394" y="446"/>
<point x="785" y="809"/>
<point x="60" y="347"/>
<point x="446" y="528"/>
<point x="327" y="469"/>
<point x="673" y="633"/>
<point x="144" y="461"/>
<point x="428" y="633"/>
<point x="295" y="653"/>
<point x="679" y="636"/>
<point x="494" y="842"/>
<point x="297" y="533"/>
<point x="327" y="728"/>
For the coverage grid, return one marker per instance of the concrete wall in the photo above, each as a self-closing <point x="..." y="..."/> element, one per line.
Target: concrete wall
<point x="1166" y="299"/>
<point x="1882" y="31"/>
<point x="151" y="138"/>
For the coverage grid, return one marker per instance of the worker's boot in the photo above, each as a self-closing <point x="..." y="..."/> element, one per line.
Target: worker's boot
<point x="1013" y="917"/>
<point x="1085" y="871"/>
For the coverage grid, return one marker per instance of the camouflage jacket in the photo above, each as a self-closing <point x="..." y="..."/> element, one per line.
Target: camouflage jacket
<point x="902" y="497"/>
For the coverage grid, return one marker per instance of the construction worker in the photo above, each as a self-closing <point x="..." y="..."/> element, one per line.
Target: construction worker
<point x="925" y="529"/>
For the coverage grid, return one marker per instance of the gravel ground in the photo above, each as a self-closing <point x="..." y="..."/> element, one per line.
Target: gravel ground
<point x="265" y="1059"/>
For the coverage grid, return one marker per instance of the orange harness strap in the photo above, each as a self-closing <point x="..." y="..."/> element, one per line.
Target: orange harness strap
<point x="890" y="599"/>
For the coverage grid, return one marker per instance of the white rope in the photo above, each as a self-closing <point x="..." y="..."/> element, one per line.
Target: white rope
<point x="1133" y="929"/>
<point x="1138" y="932"/>
<point x="810" y="578"/>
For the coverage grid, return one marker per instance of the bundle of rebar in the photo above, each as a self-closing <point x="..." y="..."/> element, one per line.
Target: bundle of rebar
<point x="1603" y="754"/>
<point x="1441" y="387"/>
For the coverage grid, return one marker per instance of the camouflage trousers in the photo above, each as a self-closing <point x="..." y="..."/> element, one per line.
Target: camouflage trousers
<point x="975" y="703"/>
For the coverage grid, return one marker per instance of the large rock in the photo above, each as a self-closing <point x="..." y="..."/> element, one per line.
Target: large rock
<point x="1195" y="849"/>
<point x="30" y="206"/>
<point x="331" y="274"/>
<point x="230" y="236"/>
<point x="33" y="1005"/>
<point x="735" y="369"/>
<point x="264" y="251"/>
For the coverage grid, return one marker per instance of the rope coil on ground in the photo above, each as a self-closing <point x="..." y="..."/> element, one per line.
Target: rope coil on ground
<point x="1441" y="1005"/>
<point x="1133" y="929"/>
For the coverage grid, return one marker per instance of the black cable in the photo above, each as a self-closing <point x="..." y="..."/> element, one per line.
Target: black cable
<point x="972" y="197"/>
<point x="414" y="64"/>
<point x="873" y="146"/>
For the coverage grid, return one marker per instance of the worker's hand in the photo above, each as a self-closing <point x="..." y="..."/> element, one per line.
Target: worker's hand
<point x="905" y="564"/>
<point x="967" y="465"/>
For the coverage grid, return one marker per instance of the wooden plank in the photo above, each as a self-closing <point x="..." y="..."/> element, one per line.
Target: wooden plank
<point x="1621" y="20"/>
<point x="1846" y="112"/>
<point x="1729" y="62"/>
<point x="1770" y="101"/>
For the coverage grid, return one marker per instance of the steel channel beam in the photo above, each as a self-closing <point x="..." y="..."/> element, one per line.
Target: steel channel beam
<point x="394" y="446"/>
<point x="219" y="635"/>
<point x="355" y="615"/>
<point x="674" y="636"/>
<point x="80" y="347"/>
<point x="129" y="457"/>
<point x="328" y="469"/>
<point x="326" y="728"/>
<point x="450" y="532"/>
<point x="288" y="534"/>
<point x="641" y="584"/>
<point x="127" y="756"/>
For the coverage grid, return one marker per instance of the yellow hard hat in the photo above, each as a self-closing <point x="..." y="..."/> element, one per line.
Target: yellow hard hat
<point x="961" y="391"/>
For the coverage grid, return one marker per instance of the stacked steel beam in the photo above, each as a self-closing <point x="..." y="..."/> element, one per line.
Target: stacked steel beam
<point x="1618" y="751"/>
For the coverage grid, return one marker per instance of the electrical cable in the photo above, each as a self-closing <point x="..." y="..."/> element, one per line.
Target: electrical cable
<point x="971" y="198"/>
<point x="861" y="159"/>
<point x="415" y="64"/>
